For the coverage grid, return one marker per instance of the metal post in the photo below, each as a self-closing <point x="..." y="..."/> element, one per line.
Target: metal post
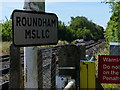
<point x="70" y="85"/>
<point x="30" y="53"/>
<point x="31" y="63"/>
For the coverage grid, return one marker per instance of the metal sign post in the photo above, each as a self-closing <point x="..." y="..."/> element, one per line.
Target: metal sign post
<point x="30" y="60"/>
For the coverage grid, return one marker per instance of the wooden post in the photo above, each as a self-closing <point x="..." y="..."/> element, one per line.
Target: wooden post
<point x="15" y="68"/>
<point x="82" y="52"/>
<point x="69" y="57"/>
<point x="53" y="72"/>
<point x="40" y="69"/>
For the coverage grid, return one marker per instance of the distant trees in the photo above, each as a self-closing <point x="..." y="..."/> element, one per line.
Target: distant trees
<point x="79" y="28"/>
<point x="64" y="33"/>
<point x="112" y="32"/>
<point x="86" y="29"/>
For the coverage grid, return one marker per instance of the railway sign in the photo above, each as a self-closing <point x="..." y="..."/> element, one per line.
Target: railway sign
<point x="34" y="28"/>
<point x="109" y="69"/>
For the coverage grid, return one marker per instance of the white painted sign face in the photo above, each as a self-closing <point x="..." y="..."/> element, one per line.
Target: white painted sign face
<point x="34" y="28"/>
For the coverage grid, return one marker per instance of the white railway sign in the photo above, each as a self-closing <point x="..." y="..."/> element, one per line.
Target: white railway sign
<point x="34" y="28"/>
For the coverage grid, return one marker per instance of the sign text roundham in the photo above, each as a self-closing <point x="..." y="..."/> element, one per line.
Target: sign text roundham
<point x="34" y="28"/>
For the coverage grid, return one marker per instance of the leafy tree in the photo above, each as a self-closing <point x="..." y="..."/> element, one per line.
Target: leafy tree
<point x="112" y="32"/>
<point x="64" y="33"/>
<point x="7" y="30"/>
<point x="78" y="22"/>
<point x="86" y="29"/>
<point x="86" y="34"/>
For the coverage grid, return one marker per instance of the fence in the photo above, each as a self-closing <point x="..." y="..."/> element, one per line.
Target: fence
<point x="52" y="62"/>
<point x="48" y="61"/>
<point x="47" y="65"/>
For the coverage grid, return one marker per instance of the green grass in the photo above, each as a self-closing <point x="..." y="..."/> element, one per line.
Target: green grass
<point x="111" y="86"/>
<point x="4" y="46"/>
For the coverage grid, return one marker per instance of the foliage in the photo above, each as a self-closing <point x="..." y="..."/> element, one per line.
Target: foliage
<point x="64" y="33"/>
<point x="6" y="30"/>
<point x="112" y="32"/>
<point x="0" y="31"/>
<point x="79" y="28"/>
<point x="85" y="29"/>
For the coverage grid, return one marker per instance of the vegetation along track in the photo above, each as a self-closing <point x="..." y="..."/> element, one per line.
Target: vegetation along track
<point x="5" y="59"/>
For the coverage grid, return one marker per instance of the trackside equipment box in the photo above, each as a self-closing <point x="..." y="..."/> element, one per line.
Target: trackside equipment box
<point x="87" y="75"/>
<point x="114" y="48"/>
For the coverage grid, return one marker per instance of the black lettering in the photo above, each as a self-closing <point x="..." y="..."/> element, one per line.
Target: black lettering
<point x="27" y="34"/>
<point x="43" y="35"/>
<point x="37" y="34"/>
<point x="33" y="34"/>
<point x="39" y="22"/>
<point x="24" y="21"/>
<point x="53" y="22"/>
<point x="47" y="33"/>
<point x="44" y="22"/>
<point x="48" y="23"/>
<point x="34" y="21"/>
<point x="18" y="21"/>
<point x="29" y="21"/>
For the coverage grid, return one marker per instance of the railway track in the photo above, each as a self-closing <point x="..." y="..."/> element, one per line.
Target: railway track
<point x="6" y="58"/>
